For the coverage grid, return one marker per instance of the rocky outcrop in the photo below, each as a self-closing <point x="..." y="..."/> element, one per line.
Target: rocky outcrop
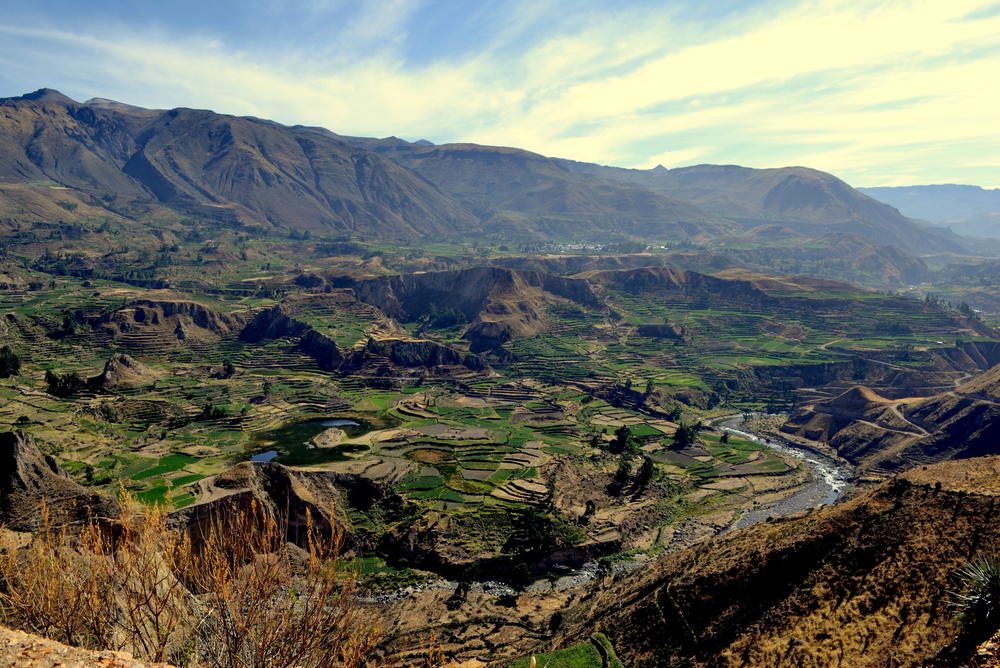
<point x="484" y="336"/>
<point x="285" y="320"/>
<point x="422" y="353"/>
<point x="660" y="331"/>
<point x="273" y="323"/>
<point x="701" y="261"/>
<point x="146" y="312"/>
<point x="673" y="283"/>
<point x="122" y="370"/>
<point x="31" y="480"/>
<point x="499" y="303"/>
<point x="291" y="496"/>
<point x="25" y="650"/>
<point x="327" y="354"/>
<point x="151" y="325"/>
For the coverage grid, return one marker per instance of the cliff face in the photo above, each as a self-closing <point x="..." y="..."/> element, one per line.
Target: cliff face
<point x="272" y="323"/>
<point x="30" y="479"/>
<point x="294" y="319"/>
<point x="674" y="283"/>
<point x="860" y="583"/>
<point x="147" y="325"/>
<point x="292" y="496"/>
<point x="420" y="353"/>
<point x="499" y="303"/>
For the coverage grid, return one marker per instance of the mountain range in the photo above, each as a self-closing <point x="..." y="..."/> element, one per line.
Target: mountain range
<point x="257" y="172"/>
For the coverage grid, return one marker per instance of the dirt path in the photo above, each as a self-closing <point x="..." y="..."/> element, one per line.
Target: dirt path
<point x="898" y="413"/>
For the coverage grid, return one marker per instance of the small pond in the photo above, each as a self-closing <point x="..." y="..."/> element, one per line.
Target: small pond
<point x="290" y="443"/>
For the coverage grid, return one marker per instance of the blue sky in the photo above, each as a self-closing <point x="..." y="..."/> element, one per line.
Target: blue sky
<point x="878" y="92"/>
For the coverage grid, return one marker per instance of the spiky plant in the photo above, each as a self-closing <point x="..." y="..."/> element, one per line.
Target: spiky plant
<point x="977" y="598"/>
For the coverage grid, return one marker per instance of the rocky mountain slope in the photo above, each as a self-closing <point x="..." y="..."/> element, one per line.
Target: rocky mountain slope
<point x="518" y="191"/>
<point x="838" y="255"/>
<point x="880" y="434"/>
<point x="31" y="480"/>
<point x="862" y="583"/>
<point x="219" y="167"/>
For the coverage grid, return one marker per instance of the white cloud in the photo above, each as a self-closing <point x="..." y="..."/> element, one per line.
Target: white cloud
<point x="877" y="91"/>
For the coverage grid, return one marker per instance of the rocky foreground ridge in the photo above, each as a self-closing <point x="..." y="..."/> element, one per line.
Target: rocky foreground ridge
<point x="25" y="650"/>
<point x="32" y="486"/>
<point x="864" y="582"/>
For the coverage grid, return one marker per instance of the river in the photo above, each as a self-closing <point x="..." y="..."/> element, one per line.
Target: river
<point x="829" y="478"/>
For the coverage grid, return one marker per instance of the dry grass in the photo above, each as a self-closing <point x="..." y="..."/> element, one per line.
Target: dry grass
<point x="231" y="594"/>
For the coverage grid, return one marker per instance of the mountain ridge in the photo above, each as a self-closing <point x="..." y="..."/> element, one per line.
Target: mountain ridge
<point x="251" y="171"/>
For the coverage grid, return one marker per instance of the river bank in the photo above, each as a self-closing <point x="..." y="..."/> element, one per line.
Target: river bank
<point x="828" y="481"/>
<point x="829" y="477"/>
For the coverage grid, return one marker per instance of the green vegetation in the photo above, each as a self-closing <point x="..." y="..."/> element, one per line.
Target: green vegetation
<point x="584" y="655"/>
<point x="580" y="656"/>
<point x="10" y="364"/>
<point x="593" y="392"/>
<point x="977" y="597"/>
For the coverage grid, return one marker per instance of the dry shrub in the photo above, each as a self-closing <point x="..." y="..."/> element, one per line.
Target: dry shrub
<point x="229" y="593"/>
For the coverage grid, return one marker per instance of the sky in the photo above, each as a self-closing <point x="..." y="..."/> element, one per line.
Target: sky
<point x="877" y="92"/>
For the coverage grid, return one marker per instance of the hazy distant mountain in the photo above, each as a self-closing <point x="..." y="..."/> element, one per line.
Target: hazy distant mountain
<point x="837" y="255"/>
<point x="968" y="210"/>
<point x="808" y="201"/>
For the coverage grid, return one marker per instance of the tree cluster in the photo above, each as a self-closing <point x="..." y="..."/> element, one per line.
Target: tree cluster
<point x="10" y="364"/>
<point x="685" y="435"/>
<point x="63" y="385"/>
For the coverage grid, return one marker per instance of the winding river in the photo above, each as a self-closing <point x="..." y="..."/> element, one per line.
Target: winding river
<point x="828" y="481"/>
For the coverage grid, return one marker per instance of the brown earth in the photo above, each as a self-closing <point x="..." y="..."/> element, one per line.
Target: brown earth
<point x="861" y="583"/>
<point x="32" y="486"/>
<point x="24" y="650"/>
<point x="882" y="435"/>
